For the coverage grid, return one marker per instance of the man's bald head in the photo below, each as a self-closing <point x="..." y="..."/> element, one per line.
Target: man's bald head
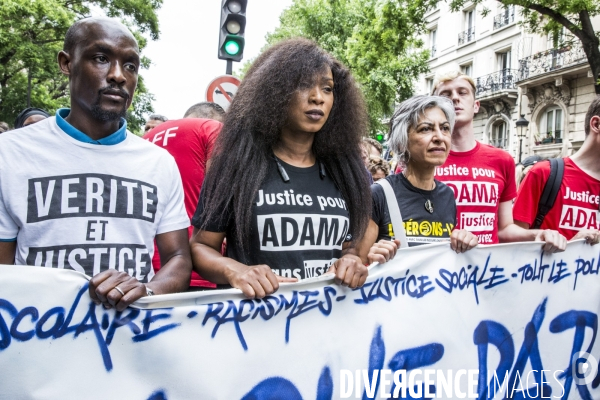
<point x="81" y="30"/>
<point x="102" y="59"/>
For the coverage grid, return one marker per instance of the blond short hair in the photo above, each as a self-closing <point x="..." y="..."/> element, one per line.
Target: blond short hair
<point x="450" y="76"/>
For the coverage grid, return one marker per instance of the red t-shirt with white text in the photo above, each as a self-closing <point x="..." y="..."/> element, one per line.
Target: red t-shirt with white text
<point x="481" y="179"/>
<point x="576" y="205"/>
<point x="190" y="142"/>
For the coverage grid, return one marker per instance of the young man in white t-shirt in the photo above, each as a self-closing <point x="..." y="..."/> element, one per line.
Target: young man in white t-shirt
<point x="77" y="191"/>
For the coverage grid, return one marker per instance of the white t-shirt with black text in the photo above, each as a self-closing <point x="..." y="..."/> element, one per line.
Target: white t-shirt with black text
<point x="84" y="206"/>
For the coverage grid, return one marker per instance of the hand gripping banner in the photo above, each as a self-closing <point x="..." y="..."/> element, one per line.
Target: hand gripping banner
<point x="505" y="321"/>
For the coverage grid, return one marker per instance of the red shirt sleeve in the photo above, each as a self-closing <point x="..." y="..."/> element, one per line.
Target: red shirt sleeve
<point x="526" y="206"/>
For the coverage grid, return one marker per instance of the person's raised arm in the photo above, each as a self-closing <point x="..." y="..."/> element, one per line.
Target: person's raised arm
<point x="255" y="281"/>
<point x="118" y="289"/>
<point x="7" y="252"/>
<point x="508" y="231"/>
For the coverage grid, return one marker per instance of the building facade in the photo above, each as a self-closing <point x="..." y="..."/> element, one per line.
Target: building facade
<point x="546" y="79"/>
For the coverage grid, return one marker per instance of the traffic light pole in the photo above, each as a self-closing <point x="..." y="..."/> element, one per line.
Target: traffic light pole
<point x="229" y="69"/>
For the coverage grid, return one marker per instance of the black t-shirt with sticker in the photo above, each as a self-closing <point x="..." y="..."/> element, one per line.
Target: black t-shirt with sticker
<point x="298" y="227"/>
<point x="421" y="226"/>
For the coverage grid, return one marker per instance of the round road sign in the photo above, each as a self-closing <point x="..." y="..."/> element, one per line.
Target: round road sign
<point x="222" y="89"/>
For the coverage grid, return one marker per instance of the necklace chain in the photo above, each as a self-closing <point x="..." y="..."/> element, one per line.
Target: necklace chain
<point x="428" y="203"/>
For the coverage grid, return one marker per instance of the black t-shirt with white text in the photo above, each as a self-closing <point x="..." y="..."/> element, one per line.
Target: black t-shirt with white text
<point x="298" y="227"/>
<point x="421" y="227"/>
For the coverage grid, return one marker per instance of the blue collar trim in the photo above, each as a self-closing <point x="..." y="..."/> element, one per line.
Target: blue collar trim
<point x="112" y="139"/>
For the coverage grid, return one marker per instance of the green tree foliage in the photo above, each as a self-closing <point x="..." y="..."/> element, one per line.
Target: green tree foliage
<point x="31" y="35"/>
<point x="550" y="16"/>
<point x="376" y="39"/>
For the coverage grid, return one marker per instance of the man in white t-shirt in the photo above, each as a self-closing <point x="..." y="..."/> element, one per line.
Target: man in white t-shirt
<point x="77" y="191"/>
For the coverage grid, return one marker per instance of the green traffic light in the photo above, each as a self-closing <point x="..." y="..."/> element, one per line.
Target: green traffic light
<point x="379" y="138"/>
<point x="232" y="47"/>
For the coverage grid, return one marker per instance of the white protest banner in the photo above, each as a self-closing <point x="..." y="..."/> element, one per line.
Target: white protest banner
<point x="503" y="321"/>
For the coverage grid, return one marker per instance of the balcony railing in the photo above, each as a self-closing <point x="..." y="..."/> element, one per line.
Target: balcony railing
<point x="432" y="51"/>
<point x="550" y="60"/>
<point x="500" y="80"/>
<point x="466" y="36"/>
<point x="504" y="18"/>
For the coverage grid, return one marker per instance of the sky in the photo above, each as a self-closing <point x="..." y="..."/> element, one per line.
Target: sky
<point x="184" y="59"/>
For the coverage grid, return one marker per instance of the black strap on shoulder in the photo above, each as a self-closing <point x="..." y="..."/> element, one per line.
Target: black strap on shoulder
<point x="557" y="169"/>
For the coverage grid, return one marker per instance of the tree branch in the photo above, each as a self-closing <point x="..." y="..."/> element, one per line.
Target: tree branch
<point x="561" y="19"/>
<point x="60" y="91"/>
<point x="4" y="60"/>
<point x="586" y="25"/>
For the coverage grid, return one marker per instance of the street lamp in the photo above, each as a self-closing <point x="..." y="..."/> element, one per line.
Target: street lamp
<point x="522" y="125"/>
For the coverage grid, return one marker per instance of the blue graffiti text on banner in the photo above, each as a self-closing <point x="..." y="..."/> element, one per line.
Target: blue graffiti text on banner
<point x="585" y="267"/>
<point x="508" y="377"/>
<point x="61" y="325"/>
<point x="468" y="276"/>
<point x="386" y="288"/>
<point x="268" y="307"/>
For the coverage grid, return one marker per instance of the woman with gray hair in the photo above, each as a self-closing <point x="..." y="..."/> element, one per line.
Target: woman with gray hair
<point x="420" y="135"/>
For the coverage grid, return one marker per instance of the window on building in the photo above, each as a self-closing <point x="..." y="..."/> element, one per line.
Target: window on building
<point x="469" y="19"/>
<point x="556" y="40"/>
<point x="504" y="59"/>
<point x="505" y="16"/>
<point x="467" y="69"/>
<point x="552" y="125"/>
<point x="428" y="85"/>
<point x="499" y="135"/>
<point x="433" y="42"/>
<point x="508" y="12"/>
<point x="468" y="34"/>
<point x="505" y="78"/>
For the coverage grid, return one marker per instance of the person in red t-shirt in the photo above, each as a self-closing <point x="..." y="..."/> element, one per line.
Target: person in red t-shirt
<point x="482" y="176"/>
<point x="189" y="141"/>
<point x="575" y="211"/>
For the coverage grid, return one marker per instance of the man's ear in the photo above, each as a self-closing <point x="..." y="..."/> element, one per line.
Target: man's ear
<point x="476" y="106"/>
<point x="595" y="124"/>
<point x="64" y="62"/>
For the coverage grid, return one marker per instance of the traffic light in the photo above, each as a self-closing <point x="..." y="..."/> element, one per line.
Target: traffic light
<point x="232" y="29"/>
<point x="379" y="137"/>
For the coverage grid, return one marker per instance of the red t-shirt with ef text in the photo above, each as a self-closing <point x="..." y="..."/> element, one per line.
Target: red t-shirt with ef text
<point x="576" y="205"/>
<point x="189" y="141"/>
<point x="481" y="179"/>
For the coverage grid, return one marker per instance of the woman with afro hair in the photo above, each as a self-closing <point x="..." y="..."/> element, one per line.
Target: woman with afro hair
<point x="286" y="186"/>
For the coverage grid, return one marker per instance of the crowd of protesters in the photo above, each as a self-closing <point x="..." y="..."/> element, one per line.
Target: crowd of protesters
<point x="282" y="187"/>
